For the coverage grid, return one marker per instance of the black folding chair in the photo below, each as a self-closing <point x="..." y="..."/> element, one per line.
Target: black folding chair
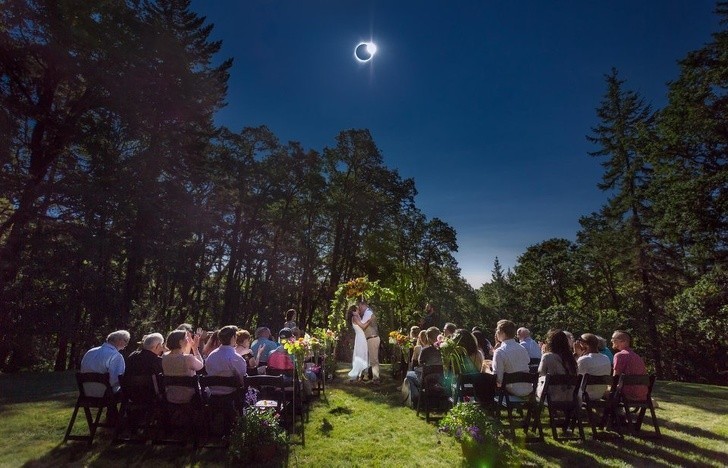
<point x="533" y="365"/>
<point x="107" y="400"/>
<point x="601" y="409"/>
<point x="181" y="418"/>
<point x="479" y="386"/>
<point x="569" y="406"/>
<point x="140" y="407"/>
<point x="638" y="408"/>
<point x="296" y="401"/>
<point x="221" y="409"/>
<point x="433" y="393"/>
<point x="520" y="404"/>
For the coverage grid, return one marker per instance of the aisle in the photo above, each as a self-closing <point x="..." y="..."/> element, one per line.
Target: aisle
<point x="365" y="425"/>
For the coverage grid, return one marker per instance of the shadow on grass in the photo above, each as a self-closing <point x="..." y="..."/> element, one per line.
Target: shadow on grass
<point x="692" y="431"/>
<point x="102" y="454"/>
<point x="710" y="398"/>
<point x="35" y="386"/>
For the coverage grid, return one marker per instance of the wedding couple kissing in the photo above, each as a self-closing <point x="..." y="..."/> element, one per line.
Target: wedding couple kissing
<point x="366" y="342"/>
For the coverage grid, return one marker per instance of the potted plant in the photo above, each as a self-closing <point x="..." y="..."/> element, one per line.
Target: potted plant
<point x="257" y="434"/>
<point x="482" y="438"/>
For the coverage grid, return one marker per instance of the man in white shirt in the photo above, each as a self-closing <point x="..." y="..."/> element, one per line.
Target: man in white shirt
<point x="525" y="340"/>
<point x="106" y="358"/>
<point x="224" y="361"/>
<point x="103" y="359"/>
<point x="510" y="357"/>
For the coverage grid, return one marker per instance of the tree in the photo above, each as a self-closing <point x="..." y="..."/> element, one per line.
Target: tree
<point x="622" y="137"/>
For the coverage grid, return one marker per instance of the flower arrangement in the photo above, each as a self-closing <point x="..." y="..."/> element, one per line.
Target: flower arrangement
<point x="482" y="437"/>
<point x="402" y="342"/>
<point x="328" y="340"/>
<point x="299" y="349"/>
<point x="453" y="355"/>
<point x="347" y="294"/>
<point x="256" y="433"/>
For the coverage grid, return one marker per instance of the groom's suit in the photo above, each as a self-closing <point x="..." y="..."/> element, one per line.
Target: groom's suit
<point x="372" y="335"/>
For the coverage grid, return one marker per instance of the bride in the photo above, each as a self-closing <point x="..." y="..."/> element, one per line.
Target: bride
<point x="360" y="359"/>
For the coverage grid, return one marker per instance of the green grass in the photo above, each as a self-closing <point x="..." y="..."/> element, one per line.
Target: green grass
<point x="362" y="425"/>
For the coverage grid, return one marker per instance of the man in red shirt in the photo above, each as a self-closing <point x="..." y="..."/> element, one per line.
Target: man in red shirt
<point x="628" y="362"/>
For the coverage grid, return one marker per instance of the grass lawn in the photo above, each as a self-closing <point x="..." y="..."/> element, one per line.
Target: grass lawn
<point x="362" y="425"/>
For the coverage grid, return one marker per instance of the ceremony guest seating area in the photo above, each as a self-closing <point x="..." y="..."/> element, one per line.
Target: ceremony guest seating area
<point x="692" y="420"/>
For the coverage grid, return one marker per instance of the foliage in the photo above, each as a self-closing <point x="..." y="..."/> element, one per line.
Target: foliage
<point x="453" y="355"/>
<point x="652" y="259"/>
<point x="122" y="206"/>
<point x="347" y="294"/>
<point x="254" y="429"/>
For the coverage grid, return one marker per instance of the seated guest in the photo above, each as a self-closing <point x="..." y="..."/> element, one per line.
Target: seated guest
<point x="224" y="361"/>
<point x="475" y="360"/>
<point x="592" y="362"/>
<point x="280" y="361"/>
<point x="510" y="357"/>
<point x="484" y="346"/>
<point x="604" y="349"/>
<point x="242" y="347"/>
<point x="106" y="358"/>
<point x="628" y="362"/>
<point x="525" y="340"/>
<point x="556" y="360"/>
<point x="414" y="333"/>
<point x="148" y="360"/>
<point x="421" y="343"/>
<point x="262" y="338"/>
<point x="290" y="319"/>
<point x="429" y="356"/>
<point x="449" y="329"/>
<point x="183" y="359"/>
<point x="103" y="359"/>
<point x="212" y="343"/>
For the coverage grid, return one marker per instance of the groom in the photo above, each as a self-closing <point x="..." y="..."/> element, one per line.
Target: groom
<point x="372" y="335"/>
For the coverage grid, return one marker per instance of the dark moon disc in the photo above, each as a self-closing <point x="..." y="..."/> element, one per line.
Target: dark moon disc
<point x="365" y="51"/>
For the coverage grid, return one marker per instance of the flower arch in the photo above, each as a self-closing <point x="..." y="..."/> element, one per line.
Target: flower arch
<point x="347" y="294"/>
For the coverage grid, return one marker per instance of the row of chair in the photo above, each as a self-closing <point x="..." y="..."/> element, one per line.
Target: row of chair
<point x="604" y="414"/>
<point x="146" y="414"/>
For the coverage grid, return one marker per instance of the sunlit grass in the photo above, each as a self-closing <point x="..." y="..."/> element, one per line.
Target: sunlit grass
<point x="362" y="425"/>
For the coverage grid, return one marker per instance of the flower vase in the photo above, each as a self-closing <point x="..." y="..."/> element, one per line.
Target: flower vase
<point x="478" y="454"/>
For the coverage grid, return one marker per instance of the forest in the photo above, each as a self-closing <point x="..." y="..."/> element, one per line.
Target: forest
<point x="123" y="205"/>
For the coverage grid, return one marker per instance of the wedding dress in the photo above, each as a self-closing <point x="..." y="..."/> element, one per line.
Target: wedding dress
<point x="360" y="359"/>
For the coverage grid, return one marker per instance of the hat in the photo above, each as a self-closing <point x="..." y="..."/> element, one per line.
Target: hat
<point x="285" y="333"/>
<point x="227" y="333"/>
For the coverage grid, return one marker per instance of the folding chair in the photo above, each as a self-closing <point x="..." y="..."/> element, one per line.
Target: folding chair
<point x="432" y="390"/>
<point x="637" y="407"/>
<point x="566" y="385"/>
<point x="477" y="385"/>
<point x="516" y="403"/>
<point x="271" y="389"/>
<point x="140" y="407"/>
<point x="533" y="365"/>
<point x="105" y="401"/>
<point x="298" y="403"/>
<point x="606" y="404"/>
<point x="185" y="418"/>
<point x="222" y="408"/>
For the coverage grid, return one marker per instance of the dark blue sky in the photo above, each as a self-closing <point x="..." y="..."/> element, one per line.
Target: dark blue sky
<point x="485" y="104"/>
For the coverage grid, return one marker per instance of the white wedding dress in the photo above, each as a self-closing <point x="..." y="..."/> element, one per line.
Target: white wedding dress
<point x="360" y="359"/>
